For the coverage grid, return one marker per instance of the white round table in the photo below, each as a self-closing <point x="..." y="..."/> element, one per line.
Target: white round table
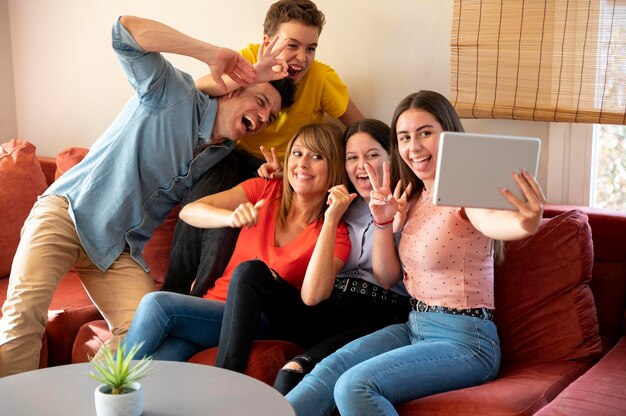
<point x="171" y="388"/>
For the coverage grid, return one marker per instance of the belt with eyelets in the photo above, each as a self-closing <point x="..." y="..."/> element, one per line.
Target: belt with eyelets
<point x="482" y="313"/>
<point x="361" y="287"/>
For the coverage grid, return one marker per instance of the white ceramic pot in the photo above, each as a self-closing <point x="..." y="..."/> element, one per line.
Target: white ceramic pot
<point x="128" y="404"/>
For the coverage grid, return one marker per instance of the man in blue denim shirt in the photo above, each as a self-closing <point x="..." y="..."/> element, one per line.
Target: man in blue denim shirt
<point x="98" y="216"/>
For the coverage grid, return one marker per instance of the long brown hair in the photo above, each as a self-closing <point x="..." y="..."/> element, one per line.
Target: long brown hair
<point x="439" y="107"/>
<point x="324" y="139"/>
<point x="434" y="103"/>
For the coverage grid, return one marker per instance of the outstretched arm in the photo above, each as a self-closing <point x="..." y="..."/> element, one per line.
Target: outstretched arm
<point x="512" y="225"/>
<point x="229" y="208"/>
<point x="153" y="36"/>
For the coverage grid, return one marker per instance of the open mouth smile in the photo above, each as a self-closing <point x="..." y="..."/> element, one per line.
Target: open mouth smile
<point x="249" y="122"/>
<point x="294" y="70"/>
<point x="420" y="163"/>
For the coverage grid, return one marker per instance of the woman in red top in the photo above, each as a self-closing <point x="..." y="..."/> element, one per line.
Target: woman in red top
<point x="290" y="232"/>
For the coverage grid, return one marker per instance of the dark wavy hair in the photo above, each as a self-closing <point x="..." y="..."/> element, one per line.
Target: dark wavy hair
<point x="287" y="90"/>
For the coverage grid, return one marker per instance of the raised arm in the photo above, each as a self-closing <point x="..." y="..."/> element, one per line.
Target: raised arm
<point x="229" y="208"/>
<point x="386" y="265"/>
<point x="512" y="225"/>
<point x="320" y="274"/>
<point x="153" y="36"/>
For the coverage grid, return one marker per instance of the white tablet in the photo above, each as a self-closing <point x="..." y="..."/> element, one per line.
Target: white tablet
<point x="472" y="168"/>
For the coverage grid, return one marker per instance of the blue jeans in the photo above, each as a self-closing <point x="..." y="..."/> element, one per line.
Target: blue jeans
<point x="174" y="327"/>
<point x="431" y="353"/>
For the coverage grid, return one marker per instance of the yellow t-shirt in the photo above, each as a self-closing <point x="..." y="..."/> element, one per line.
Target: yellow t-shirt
<point x="319" y="91"/>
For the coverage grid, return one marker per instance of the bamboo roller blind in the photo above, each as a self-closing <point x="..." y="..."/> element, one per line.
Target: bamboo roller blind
<point x="546" y="60"/>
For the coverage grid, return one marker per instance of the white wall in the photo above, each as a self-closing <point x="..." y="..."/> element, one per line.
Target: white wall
<point x="68" y="84"/>
<point x="8" y="120"/>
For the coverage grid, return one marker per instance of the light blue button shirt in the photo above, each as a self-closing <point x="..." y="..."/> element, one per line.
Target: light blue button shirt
<point x="360" y="225"/>
<point x="143" y="164"/>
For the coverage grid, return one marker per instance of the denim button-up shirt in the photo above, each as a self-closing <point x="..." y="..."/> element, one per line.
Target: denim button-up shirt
<point x="141" y="167"/>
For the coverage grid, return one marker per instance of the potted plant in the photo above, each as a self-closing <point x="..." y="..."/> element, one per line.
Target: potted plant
<point x="121" y="393"/>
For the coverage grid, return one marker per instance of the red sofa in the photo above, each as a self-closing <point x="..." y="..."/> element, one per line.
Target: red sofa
<point x="561" y="306"/>
<point x="24" y="176"/>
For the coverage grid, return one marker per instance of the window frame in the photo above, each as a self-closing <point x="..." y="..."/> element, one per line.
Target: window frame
<point x="570" y="164"/>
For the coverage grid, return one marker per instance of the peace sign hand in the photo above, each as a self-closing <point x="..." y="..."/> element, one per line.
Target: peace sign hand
<point x="271" y="169"/>
<point x="383" y="204"/>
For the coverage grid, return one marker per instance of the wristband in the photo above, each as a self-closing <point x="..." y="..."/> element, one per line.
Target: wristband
<point x="383" y="225"/>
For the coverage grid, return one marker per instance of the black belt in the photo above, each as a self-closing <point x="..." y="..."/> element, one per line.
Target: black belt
<point x="482" y="313"/>
<point x="361" y="287"/>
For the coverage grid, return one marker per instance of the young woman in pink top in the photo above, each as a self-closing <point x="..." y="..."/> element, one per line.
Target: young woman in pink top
<point x="446" y="258"/>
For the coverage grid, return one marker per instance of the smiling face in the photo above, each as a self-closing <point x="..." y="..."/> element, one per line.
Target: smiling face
<point x="301" y="46"/>
<point x="361" y="148"/>
<point x="245" y="111"/>
<point x="418" y="134"/>
<point x="307" y="170"/>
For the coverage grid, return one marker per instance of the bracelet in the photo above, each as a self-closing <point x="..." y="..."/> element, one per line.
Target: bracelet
<point x="383" y="225"/>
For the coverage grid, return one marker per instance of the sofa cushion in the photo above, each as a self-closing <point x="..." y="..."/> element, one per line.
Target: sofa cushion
<point x="21" y="182"/>
<point x="600" y="391"/>
<point x="89" y="339"/>
<point x="68" y="158"/>
<point x="544" y="306"/>
<point x="517" y="391"/>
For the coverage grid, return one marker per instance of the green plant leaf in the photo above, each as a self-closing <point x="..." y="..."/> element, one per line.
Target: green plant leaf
<point x="115" y="370"/>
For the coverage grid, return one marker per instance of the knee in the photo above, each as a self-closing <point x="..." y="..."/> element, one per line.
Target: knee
<point x="251" y="269"/>
<point x="153" y="303"/>
<point x="353" y="386"/>
<point x="300" y="363"/>
<point x="345" y="387"/>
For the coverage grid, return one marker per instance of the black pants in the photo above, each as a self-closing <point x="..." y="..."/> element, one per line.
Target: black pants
<point x="199" y="254"/>
<point x="322" y="329"/>
<point x="253" y="291"/>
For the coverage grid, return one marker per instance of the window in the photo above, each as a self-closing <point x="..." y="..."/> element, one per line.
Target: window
<point x="608" y="184"/>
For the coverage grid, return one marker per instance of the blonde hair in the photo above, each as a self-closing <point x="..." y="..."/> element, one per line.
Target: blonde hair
<point x="324" y="139"/>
